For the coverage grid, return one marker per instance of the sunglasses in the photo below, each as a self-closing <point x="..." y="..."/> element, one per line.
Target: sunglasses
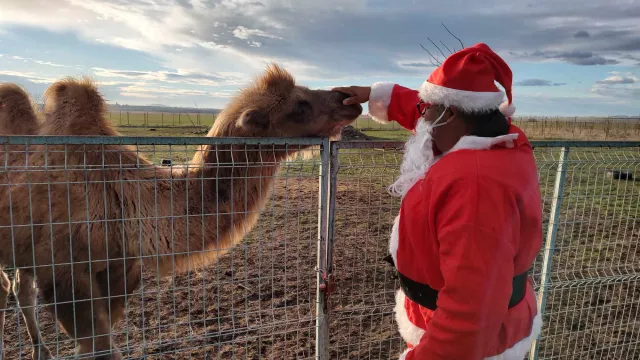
<point x="422" y="107"/>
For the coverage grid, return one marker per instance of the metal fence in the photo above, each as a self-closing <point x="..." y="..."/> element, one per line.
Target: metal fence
<point x="305" y="278"/>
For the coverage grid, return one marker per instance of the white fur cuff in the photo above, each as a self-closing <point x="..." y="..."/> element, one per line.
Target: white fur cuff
<point x="404" y="354"/>
<point x="465" y="100"/>
<point x="379" y="101"/>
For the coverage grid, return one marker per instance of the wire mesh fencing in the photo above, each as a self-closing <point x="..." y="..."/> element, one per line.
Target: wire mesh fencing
<point x="587" y="274"/>
<point x="213" y="248"/>
<point x="161" y="261"/>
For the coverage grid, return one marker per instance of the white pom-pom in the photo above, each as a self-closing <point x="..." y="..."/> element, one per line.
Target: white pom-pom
<point x="507" y="109"/>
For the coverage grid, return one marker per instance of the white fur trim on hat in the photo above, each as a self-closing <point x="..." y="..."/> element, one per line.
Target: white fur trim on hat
<point x="469" y="101"/>
<point x="379" y="100"/>
<point x="507" y="109"/>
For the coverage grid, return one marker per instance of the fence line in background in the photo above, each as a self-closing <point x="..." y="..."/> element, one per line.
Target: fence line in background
<point x="354" y="214"/>
<point x="571" y="126"/>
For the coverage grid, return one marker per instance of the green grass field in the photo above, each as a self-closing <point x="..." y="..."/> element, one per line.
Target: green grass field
<point x="535" y="128"/>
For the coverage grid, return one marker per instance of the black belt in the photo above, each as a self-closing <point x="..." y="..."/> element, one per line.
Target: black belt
<point x="424" y="295"/>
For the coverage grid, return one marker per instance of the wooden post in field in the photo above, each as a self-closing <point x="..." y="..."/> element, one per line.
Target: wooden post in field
<point x="128" y="121"/>
<point x="162" y="119"/>
<point x="179" y="118"/>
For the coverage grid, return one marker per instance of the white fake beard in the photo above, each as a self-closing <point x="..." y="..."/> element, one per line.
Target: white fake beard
<point x="418" y="158"/>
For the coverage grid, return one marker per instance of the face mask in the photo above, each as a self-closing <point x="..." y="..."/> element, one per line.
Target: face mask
<point x="436" y="124"/>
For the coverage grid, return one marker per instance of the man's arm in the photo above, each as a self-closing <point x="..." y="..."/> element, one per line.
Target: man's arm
<point x="392" y="102"/>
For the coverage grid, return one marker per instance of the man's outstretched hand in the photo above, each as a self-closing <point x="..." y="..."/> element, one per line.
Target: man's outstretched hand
<point x="359" y="94"/>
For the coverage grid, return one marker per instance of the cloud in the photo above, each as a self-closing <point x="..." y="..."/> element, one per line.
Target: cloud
<point x="167" y="91"/>
<point x="622" y="88"/>
<point x="572" y="57"/>
<point x="416" y="65"/>
<point x="181" y="76"/>
<point x="617" y="80"/>
<point x="243" y="33"/>
<point x="617" y="95"/>
<point x="35" y="61"/>
<point x="30" y="76"/>
<point x="340" y="38"/>
<point x="219" y="43"/>
<point x="538" y="82"/>
<point x="164" y="92"/>
<point x="581" y="34"/>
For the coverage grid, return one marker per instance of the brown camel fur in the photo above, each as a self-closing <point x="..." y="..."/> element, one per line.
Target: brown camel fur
<point x="17" y="117"/>
<point x="100" y="210"/>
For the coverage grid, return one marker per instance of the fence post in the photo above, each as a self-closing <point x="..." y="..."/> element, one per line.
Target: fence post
<point x="550" y="244"/>
<point x="322" y="329"/>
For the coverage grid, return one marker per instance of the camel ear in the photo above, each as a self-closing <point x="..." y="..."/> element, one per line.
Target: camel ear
<point x="254" y="119"/>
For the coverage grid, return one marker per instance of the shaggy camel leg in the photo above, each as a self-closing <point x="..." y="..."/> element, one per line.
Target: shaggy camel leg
<point x="83" y="306"/>
<point x="113" y="284"/>
<point x="26" y="294"/>
<point x="5" y="288"/>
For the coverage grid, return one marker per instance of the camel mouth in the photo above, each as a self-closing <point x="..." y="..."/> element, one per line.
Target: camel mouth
<point x="336" y="128"/>
<point x="355" y="109"/>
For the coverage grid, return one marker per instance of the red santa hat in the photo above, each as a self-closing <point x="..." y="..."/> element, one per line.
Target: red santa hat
<point x="466" y="80"/>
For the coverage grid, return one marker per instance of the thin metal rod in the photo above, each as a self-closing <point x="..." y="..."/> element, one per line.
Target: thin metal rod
<point x="327" y="269"/>
<point x="152" y="140"/>
<point x="457" y="38"/>
<point x="331" y="211"/>
<point x="550" y="244"/>
<point x="322" y="330"/>
<point x="377" y="144"/>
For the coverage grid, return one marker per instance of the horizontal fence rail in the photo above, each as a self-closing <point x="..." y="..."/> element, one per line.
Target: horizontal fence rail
<point x="203" y="248"/>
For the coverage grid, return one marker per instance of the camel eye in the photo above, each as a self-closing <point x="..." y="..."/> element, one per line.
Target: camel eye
<point x="303" y="106"/>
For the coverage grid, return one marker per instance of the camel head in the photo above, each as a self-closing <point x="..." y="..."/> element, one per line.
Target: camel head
<point x="17" y="116"/>
<point x="274" y="106"/>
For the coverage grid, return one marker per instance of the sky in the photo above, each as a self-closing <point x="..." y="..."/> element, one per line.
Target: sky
<point x="568" y="58"/>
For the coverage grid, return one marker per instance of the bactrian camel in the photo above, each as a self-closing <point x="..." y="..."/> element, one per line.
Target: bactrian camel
<point x="17" y="117"/>
<point x="173" y="220"/>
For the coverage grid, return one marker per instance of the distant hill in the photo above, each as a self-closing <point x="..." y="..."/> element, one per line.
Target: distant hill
<point x="161" y="108"/>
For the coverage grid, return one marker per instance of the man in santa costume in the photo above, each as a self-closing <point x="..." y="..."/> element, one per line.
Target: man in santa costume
<point x="470" y="225"/>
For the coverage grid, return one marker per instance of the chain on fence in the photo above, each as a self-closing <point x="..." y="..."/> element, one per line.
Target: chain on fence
<point x="129" y="244"/>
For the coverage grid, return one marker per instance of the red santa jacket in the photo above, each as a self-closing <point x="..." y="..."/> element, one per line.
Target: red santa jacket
<point x="466" y="229"/>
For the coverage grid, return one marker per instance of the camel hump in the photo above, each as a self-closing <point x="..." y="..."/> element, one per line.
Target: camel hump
<point x="17" y="115"/>
<point x="75" y="107"/>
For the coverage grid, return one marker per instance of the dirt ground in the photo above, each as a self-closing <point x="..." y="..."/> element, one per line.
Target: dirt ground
<point x="259" y="301"/>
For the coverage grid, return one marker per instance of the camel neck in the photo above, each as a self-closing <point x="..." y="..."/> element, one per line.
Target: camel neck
<point x="238" y="175"/>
